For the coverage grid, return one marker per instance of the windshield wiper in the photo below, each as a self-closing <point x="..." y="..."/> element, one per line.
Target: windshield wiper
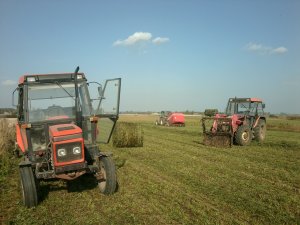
<point x="59" y="85"/>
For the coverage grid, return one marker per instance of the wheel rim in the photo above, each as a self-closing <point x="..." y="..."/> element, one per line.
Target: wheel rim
<point x="245" y="136"/>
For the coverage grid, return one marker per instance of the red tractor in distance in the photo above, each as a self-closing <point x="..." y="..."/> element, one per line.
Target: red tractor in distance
<point x="168" y="118"/>
<point x="61" y="121"/>
<point x="243" y="121"/>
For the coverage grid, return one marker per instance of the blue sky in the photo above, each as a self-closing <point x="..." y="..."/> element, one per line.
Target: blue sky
<point x="171" y="55"/>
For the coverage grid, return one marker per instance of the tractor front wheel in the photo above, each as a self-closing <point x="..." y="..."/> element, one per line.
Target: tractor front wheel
<point x="260" y="131"/>
<point x="243" y="135"/>
<point x="28" y="187"/>
<point x="107" y="178"/>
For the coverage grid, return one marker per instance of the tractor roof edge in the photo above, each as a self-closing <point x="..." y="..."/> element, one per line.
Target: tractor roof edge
<point x="50" y="76"/>
<point x="246" y="99"/>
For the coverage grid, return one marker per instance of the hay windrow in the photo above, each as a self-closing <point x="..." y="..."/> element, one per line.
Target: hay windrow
<point x="128" y="135"/>
<point x="7" y="137"/>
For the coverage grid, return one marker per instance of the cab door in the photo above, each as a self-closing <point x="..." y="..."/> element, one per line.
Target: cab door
<point x="107" y="110"/>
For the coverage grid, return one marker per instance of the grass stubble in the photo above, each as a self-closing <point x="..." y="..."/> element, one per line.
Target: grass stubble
<point x="174" y="179"/>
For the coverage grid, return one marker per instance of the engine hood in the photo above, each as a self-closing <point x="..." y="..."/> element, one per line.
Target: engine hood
<point x="61" y="130"/>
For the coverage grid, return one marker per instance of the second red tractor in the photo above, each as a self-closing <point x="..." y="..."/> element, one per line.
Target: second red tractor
<point x="168" y="118"/>
<point x="243" y="120"/>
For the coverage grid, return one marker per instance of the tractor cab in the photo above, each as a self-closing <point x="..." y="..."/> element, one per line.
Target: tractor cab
<point x="244" y="106"/>
<point x="62" y="118"/>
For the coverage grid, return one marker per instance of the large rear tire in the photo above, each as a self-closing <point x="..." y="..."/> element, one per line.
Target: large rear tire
<point x="28" y="187"/>
<point x="108" y="181"/>
<point x="260" y="131"/>
<point x="243" y="135"/>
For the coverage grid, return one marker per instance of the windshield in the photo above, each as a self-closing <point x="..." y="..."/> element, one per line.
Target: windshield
<point x="53" y="101"/>
<point x="239" y="108"/>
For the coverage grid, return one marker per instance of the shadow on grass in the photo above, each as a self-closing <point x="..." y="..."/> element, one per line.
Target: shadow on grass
<point x="82" y="183"/>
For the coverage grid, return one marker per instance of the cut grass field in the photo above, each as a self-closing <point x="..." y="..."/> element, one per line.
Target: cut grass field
<point x="174" y="179"/>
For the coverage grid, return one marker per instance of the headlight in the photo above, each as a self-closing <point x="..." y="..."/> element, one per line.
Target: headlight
<point x="30" y="79"/>
<point x="76" y="150"/>
<point x="61" y="152"/>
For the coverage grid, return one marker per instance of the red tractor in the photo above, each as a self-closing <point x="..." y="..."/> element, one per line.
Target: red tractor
<point x="168" y="118"/>
<point x="243" y="121"/>
<point x="60" y="123"/>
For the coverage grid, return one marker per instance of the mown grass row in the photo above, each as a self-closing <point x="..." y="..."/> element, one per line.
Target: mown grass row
<point x="174" y="179"/>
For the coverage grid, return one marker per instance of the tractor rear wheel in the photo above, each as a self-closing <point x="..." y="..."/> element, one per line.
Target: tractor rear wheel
<point x="260" y="131"/>
<point x="107" y="181"/>
<point x="243" y="135"/>
<point x="28" y="187"/>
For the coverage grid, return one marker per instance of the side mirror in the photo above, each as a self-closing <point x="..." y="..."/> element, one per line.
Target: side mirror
<point x="263" y="105"/>
<point x="15" y="97"/>
<point x="93" y="91"/>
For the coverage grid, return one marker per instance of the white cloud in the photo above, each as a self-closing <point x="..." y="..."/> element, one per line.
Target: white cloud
<point x="138" y="37"/>
<point x="279" y="50"/>
<point x="262" y="49"/>
<point x="160" y="40"/>
<point x="254" y="47"/>
<point x="8" y="82"/>
<point x="134" y="38"/>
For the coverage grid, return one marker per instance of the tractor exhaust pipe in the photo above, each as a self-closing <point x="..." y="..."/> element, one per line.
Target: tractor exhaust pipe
<point x="78" y="112"/>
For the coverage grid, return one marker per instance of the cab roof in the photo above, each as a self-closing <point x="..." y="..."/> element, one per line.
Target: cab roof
<point x="39" y="78"/>
<point x="245" y="100"/>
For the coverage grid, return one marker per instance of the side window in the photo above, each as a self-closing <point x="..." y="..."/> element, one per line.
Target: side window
<point x="260" y="109"/>
<point x="230" y="108"/>
<point x="93" y="89"/>
<point x="108" y="109"/>
<point x="253" y="107"/>
<point x="85" y="100"/>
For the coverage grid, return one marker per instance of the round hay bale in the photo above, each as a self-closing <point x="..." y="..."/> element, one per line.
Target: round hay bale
<point x="7" y="136"/>
<point x="128" y="135"/>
